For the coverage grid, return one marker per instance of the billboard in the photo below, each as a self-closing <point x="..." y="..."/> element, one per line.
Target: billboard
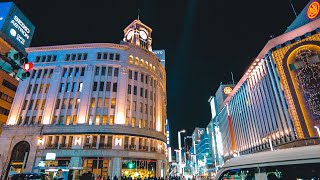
<point x="161" y="54"/>
<point x="14" y="26"/>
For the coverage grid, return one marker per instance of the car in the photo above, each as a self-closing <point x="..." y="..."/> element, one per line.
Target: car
<point x="291" y="163"/>
<point x="30" y="175"/>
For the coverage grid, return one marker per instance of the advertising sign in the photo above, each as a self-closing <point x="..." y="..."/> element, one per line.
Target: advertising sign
<point x="161" y="54"/>
<point x="15" y="26"/>
<point x="51" y="156"/>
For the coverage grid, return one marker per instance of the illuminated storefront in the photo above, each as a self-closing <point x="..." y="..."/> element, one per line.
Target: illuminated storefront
<point x="276" y="104"/>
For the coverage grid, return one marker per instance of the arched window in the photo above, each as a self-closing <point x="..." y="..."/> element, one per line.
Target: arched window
<point x="130" y="59"/>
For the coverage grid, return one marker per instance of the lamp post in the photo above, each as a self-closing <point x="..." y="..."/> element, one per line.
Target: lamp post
<point x="179" y="143"/>
<point x="317" y="128"/>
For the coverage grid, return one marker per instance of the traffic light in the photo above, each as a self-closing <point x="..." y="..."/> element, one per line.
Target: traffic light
<point x="21" y="74"/>
<point x="17" y="57"/>
<point x="28" y="66"/>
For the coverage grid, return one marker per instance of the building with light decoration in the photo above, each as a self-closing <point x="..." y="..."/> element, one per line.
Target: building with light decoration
<point x="276" y="103"/>
<point x="90" y="107"/>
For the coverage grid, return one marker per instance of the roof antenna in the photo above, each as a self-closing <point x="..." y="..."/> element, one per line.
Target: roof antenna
<point x="139" y="14"/>
<point x="232" y="78"/>
<point x="293" y="8"/>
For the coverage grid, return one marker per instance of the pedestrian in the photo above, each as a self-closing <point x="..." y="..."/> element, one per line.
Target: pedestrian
<point x="58" y="175"/>
<point x="115" y="177"/>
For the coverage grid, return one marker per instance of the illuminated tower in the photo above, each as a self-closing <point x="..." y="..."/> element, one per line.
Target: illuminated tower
<point x="99" y="107"/>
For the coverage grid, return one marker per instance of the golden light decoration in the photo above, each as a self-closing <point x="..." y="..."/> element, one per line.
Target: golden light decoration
<point x="313" y="10"/>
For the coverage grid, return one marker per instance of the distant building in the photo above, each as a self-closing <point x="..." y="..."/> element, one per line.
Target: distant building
<point x="277" y="101"/>
<point x="91" y="107"/>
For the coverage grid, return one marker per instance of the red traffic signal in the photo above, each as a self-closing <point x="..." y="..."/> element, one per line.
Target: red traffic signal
<point x="28" y="66"/>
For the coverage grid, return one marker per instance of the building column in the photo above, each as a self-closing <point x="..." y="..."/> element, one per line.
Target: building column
<point x="115" y="167"/>
<point x="158" y="168"/>
<point x="75" y="163"/>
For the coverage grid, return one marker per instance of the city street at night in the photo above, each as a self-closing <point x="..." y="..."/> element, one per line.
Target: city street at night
<point x="166" y="90"/>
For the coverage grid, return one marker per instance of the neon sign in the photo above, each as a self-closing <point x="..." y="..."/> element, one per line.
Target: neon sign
<point x="313" y="10"/>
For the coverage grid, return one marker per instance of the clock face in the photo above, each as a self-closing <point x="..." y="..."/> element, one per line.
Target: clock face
<point x="130" y="34"/>
<point x="143" y="35"/>
<point x="227" y="90"/>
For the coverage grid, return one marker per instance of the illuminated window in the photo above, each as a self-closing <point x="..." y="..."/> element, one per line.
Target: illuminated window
<point x="106" y="102"/>
<point x="68" y="87"/>
<point x="104" y="119"/>
<point x="74" y="87"/>
<point x="141" y="62"/>
<point x="61" y="87"/>
<point x="133" y="122"/>
<point x="92" y="103"/>
<point x="64" y="103"/>
<point x="71" y="72"/>
<point x="77" y="102"/>
<point x="68" y="120"/>
<point x="145" y="123"/>
<point x="97" y="119"/>
<point x="136" y="61"/>
<point x="113" y="103"/>
<point x="47" y="88"/>
<point x="140" y="123"/>
<point x="146" y="108"/>
<point x="74" y="120"/>
<point x="70" y="103"/>
<point x="111" y="120"/>
<point x="141" y="107"/>
<point x="77" y="72"/>
<point x="37" y="104"/>
<point x="80" y="87"/>
<point x="99" y="102"/>
<point x="147" y="64"/>
<point x="42" y="105"/>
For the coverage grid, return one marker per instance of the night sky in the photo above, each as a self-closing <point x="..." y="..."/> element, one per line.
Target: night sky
<point x="205" y="40"/>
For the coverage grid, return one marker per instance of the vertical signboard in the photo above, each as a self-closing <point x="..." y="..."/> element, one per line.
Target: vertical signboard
<point x="14" y="26"/>
<point x="161" y="54"/>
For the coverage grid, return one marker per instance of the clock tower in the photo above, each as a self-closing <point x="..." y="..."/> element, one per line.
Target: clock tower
<point x="139" y="34"/>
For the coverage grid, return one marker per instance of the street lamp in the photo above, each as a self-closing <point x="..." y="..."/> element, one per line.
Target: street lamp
<point x="179" y="143"/>
<point x="317" y="128"/>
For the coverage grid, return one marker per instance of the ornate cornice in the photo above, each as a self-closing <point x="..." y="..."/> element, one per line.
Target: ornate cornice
<point x="77" y="46"/>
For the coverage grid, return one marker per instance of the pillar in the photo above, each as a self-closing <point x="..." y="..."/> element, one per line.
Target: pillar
<point x="75" y="163"/>
<point x="115" y="167"/>
<point x="158" y="168"/>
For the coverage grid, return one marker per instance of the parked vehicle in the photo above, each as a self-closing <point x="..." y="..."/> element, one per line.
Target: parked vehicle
<point x="293" y="163"/>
